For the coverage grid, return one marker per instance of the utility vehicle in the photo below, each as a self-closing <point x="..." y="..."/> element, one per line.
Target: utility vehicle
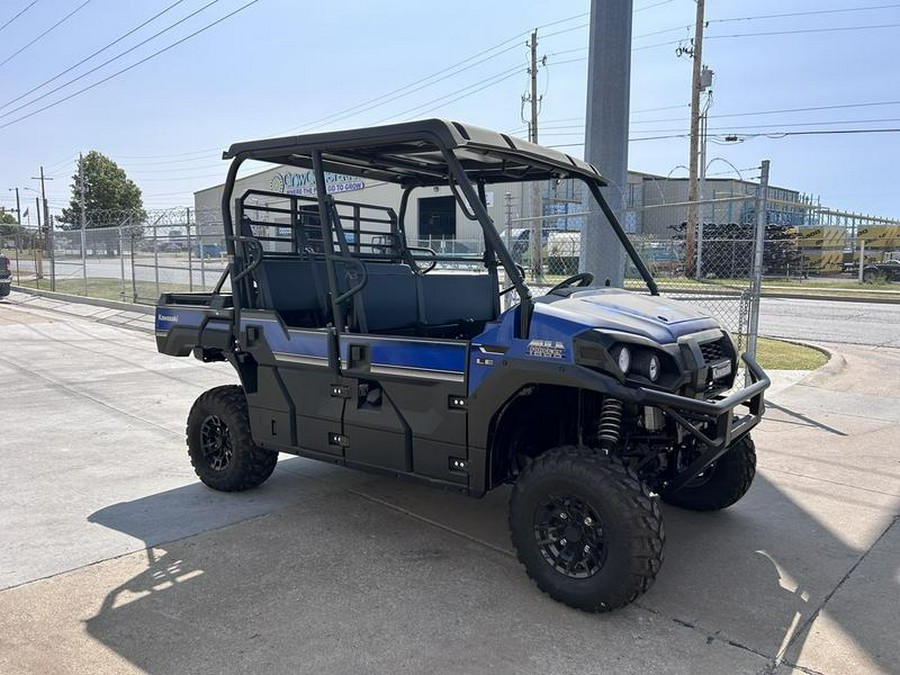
<point x="353" y="347"/>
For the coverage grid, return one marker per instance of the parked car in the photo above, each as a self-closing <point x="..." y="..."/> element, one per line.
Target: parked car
<point x="208" y="251"/>
<point x="888" y="270"/>
<point x="5" y="276"/>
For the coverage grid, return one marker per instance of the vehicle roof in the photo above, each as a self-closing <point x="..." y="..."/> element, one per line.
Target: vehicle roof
<point x="409" y="153"/>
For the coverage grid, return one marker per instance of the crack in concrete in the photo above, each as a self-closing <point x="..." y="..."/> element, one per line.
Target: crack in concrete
<point x="711" y="636"/>
<point x="812" y="617"/>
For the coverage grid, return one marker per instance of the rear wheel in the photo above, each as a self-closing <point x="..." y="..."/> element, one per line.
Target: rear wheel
<point x="586" y="528"/>
<point x="221" y="449"/>
<point x="722" y="483"/>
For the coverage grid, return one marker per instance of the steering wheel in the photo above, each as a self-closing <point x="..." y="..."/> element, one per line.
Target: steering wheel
<point x="583" y="279"/>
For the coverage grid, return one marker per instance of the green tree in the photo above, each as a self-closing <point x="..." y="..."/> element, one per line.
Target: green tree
<point x="106" y="189"/>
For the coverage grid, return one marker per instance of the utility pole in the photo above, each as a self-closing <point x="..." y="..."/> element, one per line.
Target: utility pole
<point x="606" y="134"/>
<point x="762" y="207"/>
<point x="18" y="210"/>
<point x="49" y="225"/>
<point x="697" y="55"/>
<point x="38" y="252"/>
<point x="705" y="84"/>
<point x="534" y="99"/>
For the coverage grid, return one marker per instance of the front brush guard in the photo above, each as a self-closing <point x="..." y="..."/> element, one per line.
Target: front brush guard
<point x="718" y="415"/>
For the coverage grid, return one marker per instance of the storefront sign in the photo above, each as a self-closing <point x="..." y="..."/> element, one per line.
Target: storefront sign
<point x="303" y="183"/>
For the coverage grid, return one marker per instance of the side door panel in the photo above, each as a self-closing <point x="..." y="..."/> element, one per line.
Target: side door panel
<point x="407" y="408"/>
<point x="298" y="389"/>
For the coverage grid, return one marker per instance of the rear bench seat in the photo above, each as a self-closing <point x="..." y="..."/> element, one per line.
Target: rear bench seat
<point x="394" y="299"/>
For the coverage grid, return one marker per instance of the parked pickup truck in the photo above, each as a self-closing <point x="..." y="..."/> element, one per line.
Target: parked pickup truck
<point x="888" y="270"/>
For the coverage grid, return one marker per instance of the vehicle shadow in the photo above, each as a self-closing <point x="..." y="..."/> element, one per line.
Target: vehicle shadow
<point x="345" y="580"/>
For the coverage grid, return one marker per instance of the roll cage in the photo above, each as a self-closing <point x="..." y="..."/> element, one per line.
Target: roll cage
<point x="427" y="153"/>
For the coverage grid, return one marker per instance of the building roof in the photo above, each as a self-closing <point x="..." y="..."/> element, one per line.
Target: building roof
<point x="410" y="153"/>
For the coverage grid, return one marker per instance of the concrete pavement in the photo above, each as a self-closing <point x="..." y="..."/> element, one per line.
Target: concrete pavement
<point x="114" y="559"/>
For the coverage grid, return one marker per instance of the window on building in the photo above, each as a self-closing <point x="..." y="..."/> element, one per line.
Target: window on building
<point x="437" y="218"/>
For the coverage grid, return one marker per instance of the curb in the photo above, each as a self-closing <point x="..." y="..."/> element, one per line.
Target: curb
<point x="837" y="298"/>
<point x="85" y="300"/>
<point x="835" y="364"/>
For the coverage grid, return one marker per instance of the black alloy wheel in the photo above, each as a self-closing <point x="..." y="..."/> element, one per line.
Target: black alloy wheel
<point x="220" y="444"/>
<point x="570" y="536"/>
<point x="587" y="528"/>
<point x="215" y="441"/>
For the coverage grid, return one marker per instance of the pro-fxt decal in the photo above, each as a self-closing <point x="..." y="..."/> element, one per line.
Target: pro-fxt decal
<point x="547" y="349"/>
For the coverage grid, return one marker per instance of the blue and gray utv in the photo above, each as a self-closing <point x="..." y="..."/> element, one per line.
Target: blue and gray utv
<point x="355" y="347"/>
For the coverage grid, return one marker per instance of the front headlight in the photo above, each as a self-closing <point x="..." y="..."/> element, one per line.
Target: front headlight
<point x="653" y="368"/>
<point x="623" y="359"/>
<point x="627" y="361"/>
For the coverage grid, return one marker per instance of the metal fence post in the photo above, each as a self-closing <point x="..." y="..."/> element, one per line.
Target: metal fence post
<point x="122" y="260"/>
<point x="202" y="257"/>
<point x="190" y="254"/>
<point x="84" y="274"/>
<point x="756" y="282"/>
<point x="862" y="258"/>
<point x="52" y="254"/>
<point x="155" y="257"/>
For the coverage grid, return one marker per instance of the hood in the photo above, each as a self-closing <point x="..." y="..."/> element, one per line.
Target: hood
<point x="658" y="318"/>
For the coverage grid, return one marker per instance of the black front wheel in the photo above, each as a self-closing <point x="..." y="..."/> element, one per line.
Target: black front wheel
<point x="721" y="484"/>
<point x="586" y="528"/>
<point x="221" y="449"/>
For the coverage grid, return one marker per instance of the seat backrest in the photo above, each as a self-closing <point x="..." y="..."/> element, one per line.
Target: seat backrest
<point x="288" y="285"/>
<point x="451" y="298"/>
<point x="389" y="300"/>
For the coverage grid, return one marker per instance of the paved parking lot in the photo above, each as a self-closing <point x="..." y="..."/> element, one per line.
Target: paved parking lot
<point x="113" y="558"/>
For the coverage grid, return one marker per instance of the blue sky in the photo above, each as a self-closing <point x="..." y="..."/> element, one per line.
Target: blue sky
<point x="284" y="66"/>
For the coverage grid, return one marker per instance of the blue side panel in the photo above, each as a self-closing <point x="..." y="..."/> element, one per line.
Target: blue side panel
<point x="403" y="353"/>
<point x="301" y="343"/>
<point x="167" y="318"/>
<point x="416" y="354"/>
<point x="550" y="340"/>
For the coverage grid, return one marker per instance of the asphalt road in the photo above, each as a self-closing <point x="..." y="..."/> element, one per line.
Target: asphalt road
<point x="113" y="558"/>
<point x="862" y="323"/>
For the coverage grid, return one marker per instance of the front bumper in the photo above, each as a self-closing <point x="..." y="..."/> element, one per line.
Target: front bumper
<point x="698" y="417"/>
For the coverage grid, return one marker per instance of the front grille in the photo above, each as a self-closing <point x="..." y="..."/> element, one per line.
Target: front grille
<point x="713" y="351"/>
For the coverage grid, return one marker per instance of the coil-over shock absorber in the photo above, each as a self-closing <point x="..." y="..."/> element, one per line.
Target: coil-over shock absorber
<point x="610" y="425"/>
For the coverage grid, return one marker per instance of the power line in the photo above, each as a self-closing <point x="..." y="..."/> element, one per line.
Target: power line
<point x="813" y="108"/>
<point x="21" y="12"/>
<point x="88" y="58"/>
<point x="657" y="4"/>
<point x="386" y="98"/>
<point x="399" y="92"/>
<point x="134" y="65"/>
<point x="61" y="21"/>
<point x="492" y="80"/>
<point x="430" y="79"/>
<point x="105" y="63"/>
<point x="803" y="30"/>
<point x="823" y="132"/>
<point x="810" y="13"/>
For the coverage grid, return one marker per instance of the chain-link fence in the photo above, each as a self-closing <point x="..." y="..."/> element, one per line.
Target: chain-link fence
<point x="124" y="255"/>
<point x="134" y="256"/>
